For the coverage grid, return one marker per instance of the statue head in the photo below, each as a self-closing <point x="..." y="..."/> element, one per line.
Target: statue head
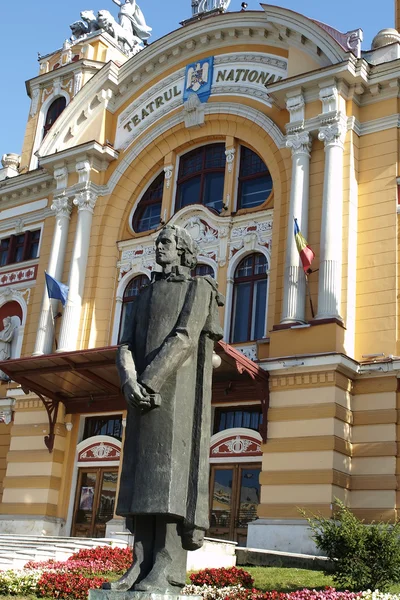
<point x="175" y="246"/>
<point x="104" y="18"/>
<point x="88" y="15"/>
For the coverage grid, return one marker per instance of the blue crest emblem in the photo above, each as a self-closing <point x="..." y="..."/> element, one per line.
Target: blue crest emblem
<point x="198" y="79"/>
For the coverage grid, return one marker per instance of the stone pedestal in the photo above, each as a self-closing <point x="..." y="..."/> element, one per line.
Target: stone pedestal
<point x="111" y="595"/>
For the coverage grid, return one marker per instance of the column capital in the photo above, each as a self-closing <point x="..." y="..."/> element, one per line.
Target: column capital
<point x="333" y="135"/>
<point x="299" y="143"/>
<point x="85" y="201"/>
<point x="62" y="206"/>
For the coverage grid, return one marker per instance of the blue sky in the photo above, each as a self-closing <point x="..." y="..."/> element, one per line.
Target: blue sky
<point x="29" y="27"/>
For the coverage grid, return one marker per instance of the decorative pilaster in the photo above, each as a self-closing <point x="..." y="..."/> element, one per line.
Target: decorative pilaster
<point x="62" y="207"/>
<point x="230" y="158"/>
<point x="85" y="201"/>
<point x="294" y="291"/>
<point x="330" y="268"/>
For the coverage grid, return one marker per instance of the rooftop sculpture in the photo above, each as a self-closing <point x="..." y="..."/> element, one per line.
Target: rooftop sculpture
<point x="200" y="7"/>
<point x="131" y="32"/>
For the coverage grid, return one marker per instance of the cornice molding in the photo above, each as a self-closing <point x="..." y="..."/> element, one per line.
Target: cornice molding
<point x="291" y="21"/>
<point x="98" y="156"/>
<point x="27" y="187"/>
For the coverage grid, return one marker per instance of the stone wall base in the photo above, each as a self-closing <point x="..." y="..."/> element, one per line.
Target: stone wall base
<point x="282" y="535"/>
<point x="32" y="525"/>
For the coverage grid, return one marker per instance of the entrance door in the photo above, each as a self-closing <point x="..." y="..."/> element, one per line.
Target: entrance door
<point x="234" y="497"/>
<point x="94" y="501"/>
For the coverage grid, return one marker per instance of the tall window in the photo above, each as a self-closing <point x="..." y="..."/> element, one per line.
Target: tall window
<point x="131" y="292"/>
<point x="203" y="270"/>
<point x="201" y="177"/>
<point x="249" y="299"/>
<point x="105" y="425"/>
<point x="18" y="248"/>
<point x="148" y="213"/>
<point x="255" y="182"/>
<point x="54" y="111"/>
<point x="238" y="416"/>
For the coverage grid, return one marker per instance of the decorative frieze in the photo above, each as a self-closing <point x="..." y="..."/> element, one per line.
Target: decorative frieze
<point x="9" y="294"/>
<point x="18" y="276"/>
<point x="100" y="451"/>
<point x="249" y="236"/>
<point x="236" y="446"/>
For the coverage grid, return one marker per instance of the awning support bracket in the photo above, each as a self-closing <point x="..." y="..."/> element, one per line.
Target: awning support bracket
<point x="51" y="407"/>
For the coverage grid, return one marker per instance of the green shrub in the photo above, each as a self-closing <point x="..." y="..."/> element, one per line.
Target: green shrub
<point x="363" y="556"/>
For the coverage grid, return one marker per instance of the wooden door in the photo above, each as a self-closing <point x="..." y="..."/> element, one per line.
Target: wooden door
<point x="234" y="498"/>
<point x="94" y="501"/>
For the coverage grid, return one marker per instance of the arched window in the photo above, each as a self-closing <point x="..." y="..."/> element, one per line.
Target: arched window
<point x="54" y="111"/>
<point x="201" y="177"/>
<point x="148" y="213"/>
<point x="203" y="270"/>
<point x="255" y="181"/>
<point x="131" y="292"/>
<point x="249" y="299"/>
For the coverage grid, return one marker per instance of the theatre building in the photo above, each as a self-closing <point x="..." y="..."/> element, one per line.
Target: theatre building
<point x="231" y="126"/>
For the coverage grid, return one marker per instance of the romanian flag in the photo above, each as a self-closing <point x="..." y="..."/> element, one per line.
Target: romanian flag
<point x="306" y="253"/>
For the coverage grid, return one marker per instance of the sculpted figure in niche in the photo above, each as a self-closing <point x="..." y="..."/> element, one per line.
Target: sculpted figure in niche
<point x="165" y="367"/>
<point x="132" y="19"/>
<point x="6" y="338"/>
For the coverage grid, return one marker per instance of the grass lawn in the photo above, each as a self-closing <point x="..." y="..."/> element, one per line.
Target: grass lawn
<point x="287" y="580"/>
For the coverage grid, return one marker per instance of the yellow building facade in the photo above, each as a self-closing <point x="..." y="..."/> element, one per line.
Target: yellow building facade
<point x="232" y="126"/>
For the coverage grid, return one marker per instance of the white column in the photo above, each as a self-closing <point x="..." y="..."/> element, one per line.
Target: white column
<point x="330" y="267"/>
<point x="294" y="289"/>
<point x="85" y="201"/>
<point x="62" y="206"/>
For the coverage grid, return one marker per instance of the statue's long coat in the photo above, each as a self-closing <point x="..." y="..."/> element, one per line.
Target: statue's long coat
<point x="169" y="343"/>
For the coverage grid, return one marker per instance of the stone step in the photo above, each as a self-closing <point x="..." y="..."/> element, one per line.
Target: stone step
<point x="16" y="551"/>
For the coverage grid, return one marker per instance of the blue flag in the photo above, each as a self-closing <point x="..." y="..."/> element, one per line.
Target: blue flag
<point x="56" y="290"/>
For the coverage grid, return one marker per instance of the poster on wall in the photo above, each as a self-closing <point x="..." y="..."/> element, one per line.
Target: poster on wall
<point x="86" y="499"/>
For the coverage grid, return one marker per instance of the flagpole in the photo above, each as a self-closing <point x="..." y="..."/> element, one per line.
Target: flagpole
<point x="309" y="295"/>
<point x="52" y="315"/>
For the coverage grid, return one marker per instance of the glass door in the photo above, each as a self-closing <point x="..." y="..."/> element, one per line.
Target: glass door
<point x="94" y="501"/>
<point x="234" y="498"/>
<point x="221" y="505"/>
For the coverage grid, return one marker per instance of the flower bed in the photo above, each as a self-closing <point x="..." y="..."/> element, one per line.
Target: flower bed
<point x="70" y="579"/>
<point x="89" y="569"/>
<point x="238" y="592"/>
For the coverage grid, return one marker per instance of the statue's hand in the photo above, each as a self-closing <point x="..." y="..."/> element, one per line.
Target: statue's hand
<point x="136" y="395"/>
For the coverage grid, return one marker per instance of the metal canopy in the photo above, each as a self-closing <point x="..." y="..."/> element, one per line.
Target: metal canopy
<point x="84" y="379"/>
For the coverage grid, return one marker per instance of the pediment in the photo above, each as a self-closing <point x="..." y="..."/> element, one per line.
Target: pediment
<point x="153" y="83"/>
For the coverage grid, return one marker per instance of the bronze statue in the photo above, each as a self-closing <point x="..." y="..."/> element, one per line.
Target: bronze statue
<point x="165" y="367"/>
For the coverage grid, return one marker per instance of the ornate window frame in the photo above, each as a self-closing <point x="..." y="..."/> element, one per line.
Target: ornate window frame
<point x="233" y="263"/>
<point x="33" y="164"/>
